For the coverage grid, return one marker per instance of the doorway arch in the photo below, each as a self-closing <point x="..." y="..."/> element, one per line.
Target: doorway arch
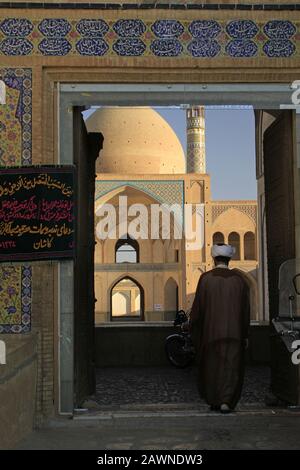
<point x="126" y="300"/>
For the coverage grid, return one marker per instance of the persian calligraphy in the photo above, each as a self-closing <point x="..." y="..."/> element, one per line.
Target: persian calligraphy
<point x="8" y="188"/>
<point x="36" y="213"/>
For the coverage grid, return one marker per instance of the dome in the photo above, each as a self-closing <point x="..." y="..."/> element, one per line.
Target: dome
<point x="136" y="141"/>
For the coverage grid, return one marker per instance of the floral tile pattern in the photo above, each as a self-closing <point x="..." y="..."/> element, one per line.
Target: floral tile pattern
<point x="16" y="149"/>
<point x="202" y="38"/>
<point x="16" y="118"/>
<point x="15" y="299"/>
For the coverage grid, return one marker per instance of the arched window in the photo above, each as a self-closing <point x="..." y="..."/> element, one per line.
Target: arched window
<point x="249" y="246"/>
<point x="234" y="240"/>
<point x="127" y="300"/>
<point x="218" y="237"/>
<point x="127" y="250"/>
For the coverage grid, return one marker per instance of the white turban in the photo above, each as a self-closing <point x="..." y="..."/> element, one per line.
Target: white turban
<point x="222" y="250"/>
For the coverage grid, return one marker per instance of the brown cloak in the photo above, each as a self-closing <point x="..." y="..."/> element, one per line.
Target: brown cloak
<point x="219" y="322"/>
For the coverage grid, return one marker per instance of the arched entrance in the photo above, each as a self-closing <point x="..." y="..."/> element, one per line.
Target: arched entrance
<point x="127" y="300"/>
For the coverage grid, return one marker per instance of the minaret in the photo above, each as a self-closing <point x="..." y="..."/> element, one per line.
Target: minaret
<point x="195" y="130"/>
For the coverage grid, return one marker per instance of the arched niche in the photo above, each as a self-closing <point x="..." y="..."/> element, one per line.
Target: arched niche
<point x="126" y="300"/>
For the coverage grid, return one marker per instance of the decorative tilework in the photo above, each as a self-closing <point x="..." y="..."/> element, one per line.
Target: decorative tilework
<point x="129" y="47"/>
<point x="15" y="299"/>
<point x="16" y="149"/>
<point x="242" y="29"/>
<point x="15" y="31"/>
<point x="55" y="46"/>
<point x="279" y="48"/>
<point x="164" y="192"/>
<point x="168" y="192"/>
<point x="91" y="46"/>
<point x="241" y="48"/>
<point x="278" y="29"/>
<point x="92" y="42"/>
<point x="16" y="46"/>
<point x="16" y="27"/>
<point x="16" y="118"/>
<point x="242" y="38"/>
<point x="166" y="47"/>
<point x="92" y="28"/>
<point x="249" y="209"/>
<point x="167" y="28"/>
<point x="204" y="48"/>
<point x="205" y="29"/>
<point x="54" y="42"/>
<point x="54" y="27"/>
<point x="129" y="28"/>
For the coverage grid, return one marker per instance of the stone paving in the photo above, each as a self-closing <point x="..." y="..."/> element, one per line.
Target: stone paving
<point x="215" y="431"/>
<point x="159" y="409"/>
<point x="167" y="385"/>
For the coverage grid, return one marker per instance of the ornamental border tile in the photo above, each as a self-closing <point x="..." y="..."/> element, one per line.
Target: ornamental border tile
<point x="20" y="79"/>
<point x="236" y="38"/>
<point x="24" y="325"/>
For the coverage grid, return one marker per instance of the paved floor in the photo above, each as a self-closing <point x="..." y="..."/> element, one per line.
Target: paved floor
<point x="215" y="431"/>
<point x="168" y="385"/>
<point x="159" y="408"/>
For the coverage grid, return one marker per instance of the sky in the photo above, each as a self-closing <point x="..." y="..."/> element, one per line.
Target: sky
<point x="230" y="149"/>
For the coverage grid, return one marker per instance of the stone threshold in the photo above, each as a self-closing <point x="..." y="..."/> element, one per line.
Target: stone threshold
<point x="193" y="413"/>
<point x="93" y="411"/>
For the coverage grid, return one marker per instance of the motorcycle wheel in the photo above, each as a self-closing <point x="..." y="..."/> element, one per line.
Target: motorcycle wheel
<point x="175" y="352"/>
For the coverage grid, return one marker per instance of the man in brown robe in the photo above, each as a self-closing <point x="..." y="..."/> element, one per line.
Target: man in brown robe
<point x="219" y="326"/>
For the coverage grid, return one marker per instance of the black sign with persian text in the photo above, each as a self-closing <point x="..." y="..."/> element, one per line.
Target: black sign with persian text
<point x="36" y="213"/>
